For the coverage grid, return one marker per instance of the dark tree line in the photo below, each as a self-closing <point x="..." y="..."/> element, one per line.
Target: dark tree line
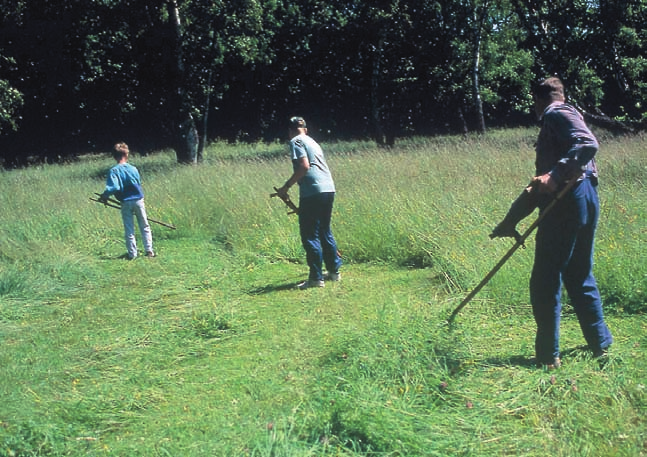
<point x="77" y="75"/>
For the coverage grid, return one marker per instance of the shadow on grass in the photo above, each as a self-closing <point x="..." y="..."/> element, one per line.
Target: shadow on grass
<point x="126" y="257"/>
<point x="576" y="353"/>
<point x="115" y="257"/>
<point x="272" y="288"/>
<point x="515" y="360"/>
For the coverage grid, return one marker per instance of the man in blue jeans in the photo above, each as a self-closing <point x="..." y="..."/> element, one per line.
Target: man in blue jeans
<point x="565" y="150"/>
<point x="316" y="197"/>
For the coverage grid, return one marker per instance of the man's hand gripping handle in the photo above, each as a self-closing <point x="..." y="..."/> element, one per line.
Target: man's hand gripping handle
<point x="293" y="209"/>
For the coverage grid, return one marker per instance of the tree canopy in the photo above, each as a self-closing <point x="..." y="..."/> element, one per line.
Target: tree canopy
<point x="76" y="76"/>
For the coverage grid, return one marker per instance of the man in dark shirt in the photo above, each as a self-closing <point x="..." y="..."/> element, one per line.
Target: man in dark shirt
<point x="565" y="236"/>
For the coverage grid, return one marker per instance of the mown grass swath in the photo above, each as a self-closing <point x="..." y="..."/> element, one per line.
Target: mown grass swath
<point x="208" y="350"/>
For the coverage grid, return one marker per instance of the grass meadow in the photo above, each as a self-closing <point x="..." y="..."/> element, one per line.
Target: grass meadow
<point x="208" y="350"/>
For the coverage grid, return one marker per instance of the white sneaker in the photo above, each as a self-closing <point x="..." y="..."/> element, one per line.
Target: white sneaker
<point x="310" y="283"/>
<point x="333" y="277"/>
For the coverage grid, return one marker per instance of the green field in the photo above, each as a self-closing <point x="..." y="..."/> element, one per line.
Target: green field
<point x="208" y="350"/>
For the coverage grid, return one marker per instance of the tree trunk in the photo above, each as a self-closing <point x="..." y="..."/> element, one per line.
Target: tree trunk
<point x="477" y="89"/>
<point x="461" y="117"/>
<point x="605" y="122"/>
<point x="184" y="129"/>
<point x="376" y="112"/>
<point x="205" y="118"/>
<point x="478" y="20"/>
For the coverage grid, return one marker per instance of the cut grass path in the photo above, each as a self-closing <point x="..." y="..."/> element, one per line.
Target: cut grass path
<point x="210" y="354"/>
<point x="201" y="344"/>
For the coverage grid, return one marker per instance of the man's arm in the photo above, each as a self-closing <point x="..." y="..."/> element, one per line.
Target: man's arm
<point x="567" y="124"/>
<point x="302" y="167"/>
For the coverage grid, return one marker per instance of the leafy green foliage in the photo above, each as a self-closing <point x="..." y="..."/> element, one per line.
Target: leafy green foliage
<point x="10" y="102"/>
<point x="76" y="76"/>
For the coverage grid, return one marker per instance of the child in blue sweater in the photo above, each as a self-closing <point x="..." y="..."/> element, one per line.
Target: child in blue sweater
<point x="125" y="184"/>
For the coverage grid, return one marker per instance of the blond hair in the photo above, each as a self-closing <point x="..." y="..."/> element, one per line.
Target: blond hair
<point x="120" y="150"/>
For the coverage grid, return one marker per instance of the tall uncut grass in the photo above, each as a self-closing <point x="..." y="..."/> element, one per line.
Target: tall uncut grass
<point x="208" y="350"/>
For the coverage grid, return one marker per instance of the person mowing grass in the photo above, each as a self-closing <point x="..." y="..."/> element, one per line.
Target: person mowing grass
<point x="316" y="197"/>
<point x="124" y="182"/>
<point x="565" y="150"/>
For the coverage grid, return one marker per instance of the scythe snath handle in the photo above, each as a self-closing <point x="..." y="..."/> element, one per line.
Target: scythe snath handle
<point x="117" y="204"/>
<point x="293" y="209"/>
<point x="519" y="242"/>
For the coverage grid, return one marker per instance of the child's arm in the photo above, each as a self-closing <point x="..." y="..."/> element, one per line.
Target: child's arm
<point x="113" y="185"/>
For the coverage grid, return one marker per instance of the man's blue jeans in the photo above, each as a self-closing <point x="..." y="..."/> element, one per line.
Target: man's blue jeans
<point x="564" y="255"/>
<point x="315" y="213"/>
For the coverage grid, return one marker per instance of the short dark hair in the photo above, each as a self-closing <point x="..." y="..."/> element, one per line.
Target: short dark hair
<point x="550" y="88"/>
<point x="297" y="122"/>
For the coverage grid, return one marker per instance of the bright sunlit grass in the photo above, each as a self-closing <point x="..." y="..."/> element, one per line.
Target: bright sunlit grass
<point x="208" y="350"/>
